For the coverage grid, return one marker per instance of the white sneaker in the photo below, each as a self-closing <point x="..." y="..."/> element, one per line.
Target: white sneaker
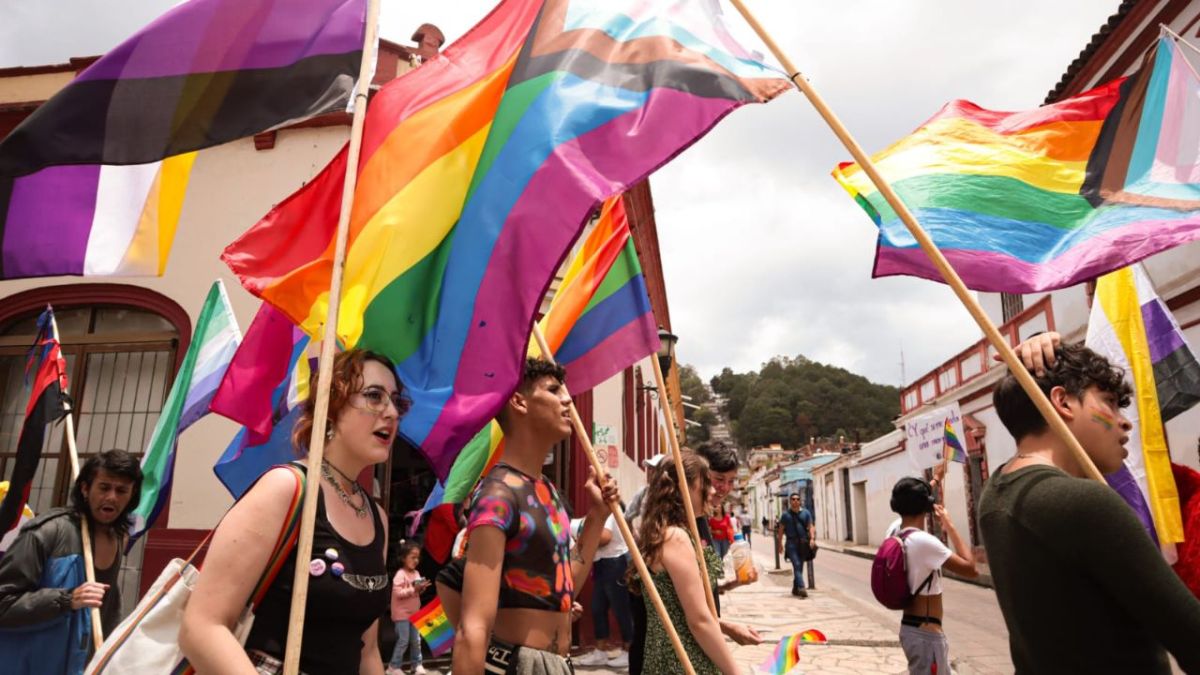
<point x="419" y="670"/>
<point x="592" y="658"/>
<point x="619" y="660"/>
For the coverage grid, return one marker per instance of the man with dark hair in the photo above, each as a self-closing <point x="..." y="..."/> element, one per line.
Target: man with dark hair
<point x="925" y="645"/>
<point x="794" y="534"/>
<point x="45" y="600"/>
<point x="518" y="583"/>
<point x="1081" y="586"/>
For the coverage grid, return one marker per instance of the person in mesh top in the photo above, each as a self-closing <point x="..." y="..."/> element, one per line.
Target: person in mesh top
<point x="520" y="573"/>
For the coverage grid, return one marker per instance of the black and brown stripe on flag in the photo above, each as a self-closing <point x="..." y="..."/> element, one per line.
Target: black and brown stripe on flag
<point x="47" y="404"/>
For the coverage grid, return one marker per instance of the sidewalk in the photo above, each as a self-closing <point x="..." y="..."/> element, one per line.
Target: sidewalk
<point x="857" y="644"/>
<point x="984" y="579"/>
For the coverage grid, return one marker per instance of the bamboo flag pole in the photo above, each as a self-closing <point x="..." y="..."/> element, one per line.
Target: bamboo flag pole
<point x="89" y="563"/>
<point x="638" y="561"/>
<point x="939" y="261"/>
<point x="681" y="478"/>
<point x="316" y="446"/>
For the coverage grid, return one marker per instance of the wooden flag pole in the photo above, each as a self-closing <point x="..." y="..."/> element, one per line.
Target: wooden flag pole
<point x="681" y="478"/>
<point x="316" y="445"/>
<point x="85" y="534"/>
<point x="939" y="261"/>
<point x="638" y="561"/>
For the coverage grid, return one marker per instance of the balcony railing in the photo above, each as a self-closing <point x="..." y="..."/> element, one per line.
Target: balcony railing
<point x="976" y="360"/>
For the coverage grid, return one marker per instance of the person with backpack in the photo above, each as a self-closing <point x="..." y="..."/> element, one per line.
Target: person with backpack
<point x="907" y="574"/>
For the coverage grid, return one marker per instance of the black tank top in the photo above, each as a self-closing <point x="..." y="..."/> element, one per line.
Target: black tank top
<point x="348" y="589"/>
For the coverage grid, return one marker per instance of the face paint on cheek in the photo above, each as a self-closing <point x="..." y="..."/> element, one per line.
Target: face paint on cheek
<point x="1105" y="420"/>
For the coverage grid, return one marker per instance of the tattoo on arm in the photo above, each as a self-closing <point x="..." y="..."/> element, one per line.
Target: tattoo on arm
<point x="577" y="553"/>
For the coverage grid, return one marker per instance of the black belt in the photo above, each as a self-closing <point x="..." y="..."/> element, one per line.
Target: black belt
<point x="916" y="621"/>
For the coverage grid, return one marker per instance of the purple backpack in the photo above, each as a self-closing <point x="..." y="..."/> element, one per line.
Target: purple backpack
<point x="889" y="573"/>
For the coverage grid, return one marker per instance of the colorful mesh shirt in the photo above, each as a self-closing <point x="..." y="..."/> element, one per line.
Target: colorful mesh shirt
<point x="536" y="573"/>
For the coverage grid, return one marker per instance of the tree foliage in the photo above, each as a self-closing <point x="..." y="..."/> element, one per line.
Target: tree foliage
<point x="790" y="400"/>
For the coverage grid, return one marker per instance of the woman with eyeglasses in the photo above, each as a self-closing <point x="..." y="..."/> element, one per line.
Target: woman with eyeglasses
<point x="349" y="588"/>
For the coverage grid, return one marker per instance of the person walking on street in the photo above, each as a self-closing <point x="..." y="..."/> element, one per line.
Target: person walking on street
<point x="747" y="524"/>
<point x="925" y="645"/>
<point x="794" y="535"/>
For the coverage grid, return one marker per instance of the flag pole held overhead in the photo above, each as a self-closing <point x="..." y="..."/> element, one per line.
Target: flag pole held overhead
<point x="89" y="564"/>
<point x="939" y="261"/>
<point x="638" y="561"/>
<point x="316" y="446"/>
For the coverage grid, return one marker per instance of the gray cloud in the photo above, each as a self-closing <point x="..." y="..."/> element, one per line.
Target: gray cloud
<point x="763" y="253"/>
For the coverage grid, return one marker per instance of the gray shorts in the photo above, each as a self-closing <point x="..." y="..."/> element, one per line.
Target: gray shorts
<point x="928" y="653"/>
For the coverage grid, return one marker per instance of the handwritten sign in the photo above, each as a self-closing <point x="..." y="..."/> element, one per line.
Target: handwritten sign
<point x="926" y="434"/>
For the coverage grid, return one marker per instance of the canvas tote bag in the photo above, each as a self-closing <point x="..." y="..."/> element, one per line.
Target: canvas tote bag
<point x="147" y="641"/>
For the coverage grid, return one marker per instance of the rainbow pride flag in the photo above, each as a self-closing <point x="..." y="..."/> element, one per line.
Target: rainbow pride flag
<point x="93" y="182"/>
<point x="600" y="321"/>
<point x="952" y="446"/>
<point x="787" y="652"/>
<point x="1043" y="199"/>
<point x="434" y="626"/>
<point x="479" y="170"/>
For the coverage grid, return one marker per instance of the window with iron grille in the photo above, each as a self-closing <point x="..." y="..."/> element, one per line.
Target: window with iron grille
<point x="120" y="364"/>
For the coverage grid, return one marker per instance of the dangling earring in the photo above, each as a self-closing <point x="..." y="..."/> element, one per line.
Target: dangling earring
<point x="329" y="432"/>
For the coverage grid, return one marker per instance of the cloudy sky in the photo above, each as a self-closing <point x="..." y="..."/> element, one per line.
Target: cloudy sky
<point x="763" y="252"/>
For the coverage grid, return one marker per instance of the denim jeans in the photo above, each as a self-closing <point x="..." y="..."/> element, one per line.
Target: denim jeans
<point x="611" y="591"/>
<point x="407" y="639"/>
<point x="721" y="546"/>
<point x="797" y="554"/>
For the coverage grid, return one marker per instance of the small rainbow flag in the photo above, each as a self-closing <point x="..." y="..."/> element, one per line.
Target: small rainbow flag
<point x="952" y="447"/>
<point x="787" y="652"/>
<point x="434" y="626"/>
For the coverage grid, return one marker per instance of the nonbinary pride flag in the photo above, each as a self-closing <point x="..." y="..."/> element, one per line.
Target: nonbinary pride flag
<point x="92" y="183"/>
<point x="479" y="170"/>
<point x="1132" y="327"/>
<point x="47" y="403"/>
<point x="1023" y="202"/>
<point x="213" y="344"/>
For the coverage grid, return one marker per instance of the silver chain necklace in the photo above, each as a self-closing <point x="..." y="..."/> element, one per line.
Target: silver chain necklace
<point x="360" y="511"/>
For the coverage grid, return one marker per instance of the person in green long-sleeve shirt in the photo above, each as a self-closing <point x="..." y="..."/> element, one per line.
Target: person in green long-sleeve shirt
<point x="1081" y="586"/>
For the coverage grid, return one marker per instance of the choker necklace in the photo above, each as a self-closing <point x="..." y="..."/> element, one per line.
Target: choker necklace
<point x="360" y="511"/>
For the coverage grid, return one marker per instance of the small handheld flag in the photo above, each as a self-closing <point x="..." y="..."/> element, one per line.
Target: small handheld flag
<point x="434" y="626"/>
<point x="787" y="652"/>
<point x="952" y="448"/>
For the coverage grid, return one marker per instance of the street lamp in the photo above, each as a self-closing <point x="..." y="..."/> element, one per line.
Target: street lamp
<point x="666" y="349"/>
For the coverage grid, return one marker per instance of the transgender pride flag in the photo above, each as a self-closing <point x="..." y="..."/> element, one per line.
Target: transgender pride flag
<point x="213" y="345"/>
